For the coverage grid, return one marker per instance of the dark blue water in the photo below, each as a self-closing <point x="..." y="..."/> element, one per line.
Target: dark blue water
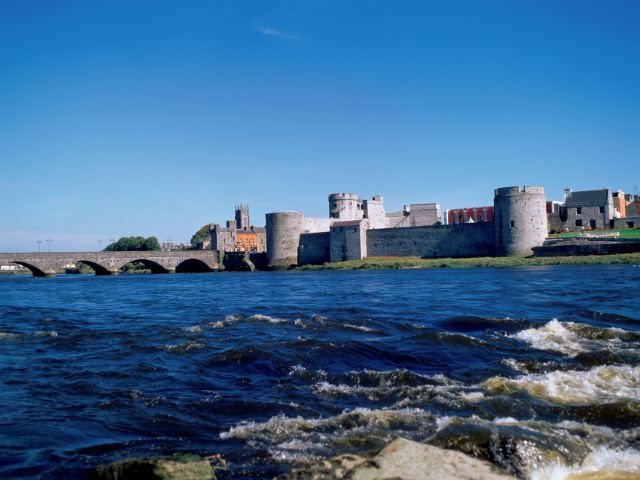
<point x="530" y="368"/>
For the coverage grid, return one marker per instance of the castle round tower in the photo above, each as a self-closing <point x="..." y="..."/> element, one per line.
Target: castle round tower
<point x="520" y="220"/>
<point x="283" y="237"/>
<point x="345" y="206"/>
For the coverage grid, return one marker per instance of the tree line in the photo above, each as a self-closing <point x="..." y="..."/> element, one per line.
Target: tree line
<point x="133" y="244"/>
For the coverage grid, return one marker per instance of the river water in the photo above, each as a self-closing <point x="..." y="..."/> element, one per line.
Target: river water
<point x="535" y="369"/>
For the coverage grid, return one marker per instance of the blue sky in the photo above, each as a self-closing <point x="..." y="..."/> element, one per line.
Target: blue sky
<point x="156" y="117"/>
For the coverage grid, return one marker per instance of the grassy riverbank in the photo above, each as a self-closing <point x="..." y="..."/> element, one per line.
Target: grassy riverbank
<point x="633" y="233"/>
<point x="417" y="262"/>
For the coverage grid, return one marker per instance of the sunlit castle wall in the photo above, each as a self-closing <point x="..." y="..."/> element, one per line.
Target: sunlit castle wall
<point x="345" y="206"/>
<point x="283" y="237"/>
<point x="520" y="220"/>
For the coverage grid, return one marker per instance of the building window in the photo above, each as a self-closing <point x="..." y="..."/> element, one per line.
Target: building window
<point x="630" y="224"/>
<point x="578" y="223"/>
<point x="564" y="214"/>
<point x="579" y="211"/>
<point x="513" y="224"/>
<point x="601" y="209"/>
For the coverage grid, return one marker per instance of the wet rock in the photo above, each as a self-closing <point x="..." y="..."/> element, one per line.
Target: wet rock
<point x="515" y="448"/>
<point x="185" y="467"/>
<point x="402" y="460"/>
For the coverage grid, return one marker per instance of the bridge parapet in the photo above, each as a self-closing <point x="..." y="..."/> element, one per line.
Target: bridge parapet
<point x="111" y="263"/>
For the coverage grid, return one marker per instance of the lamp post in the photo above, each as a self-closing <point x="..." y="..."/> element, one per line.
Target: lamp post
<point x="39" y="242"/>
<point x="49" y="242"/>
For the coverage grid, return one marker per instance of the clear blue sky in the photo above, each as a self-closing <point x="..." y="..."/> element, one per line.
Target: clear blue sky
<point x="127" y="117"/>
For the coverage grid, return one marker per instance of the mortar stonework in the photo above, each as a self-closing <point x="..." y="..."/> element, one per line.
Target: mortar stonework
<point x="520" y="220"/>
<point x="283" y="237"/>
<point x="437" y="241"/>
<point x="313" y="248"/>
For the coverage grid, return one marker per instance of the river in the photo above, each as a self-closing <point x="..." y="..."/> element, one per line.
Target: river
<point x="535" y="369"/>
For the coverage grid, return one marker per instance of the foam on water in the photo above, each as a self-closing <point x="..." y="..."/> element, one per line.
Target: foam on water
<point x="298" y="370"/>
<point x="552" y="336"/>
<point x="228" y="320"/>
<point x="183" y="347"/>
<point x="193" y="329"/>
<point x="602" y="463"/>
<point x="599" y="385"/>
<point x="361" y="328"/>
<point x="407" y="389"/>
<point x="298" y="439"/>
<point x="472" y="396"/>
<point x="267" y="318"/>
<point x="296" y="451"/>
<point x="571" y="338"/>
<point x="231" y="319"/>
<point x="281" y="426"/>
<point x="46" y="333"/>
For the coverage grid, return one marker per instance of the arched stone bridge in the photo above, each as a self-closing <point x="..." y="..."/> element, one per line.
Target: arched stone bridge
<point x="110" y="263"/>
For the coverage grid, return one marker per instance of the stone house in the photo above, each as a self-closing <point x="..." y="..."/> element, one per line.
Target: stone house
<point x="587" y="209"/>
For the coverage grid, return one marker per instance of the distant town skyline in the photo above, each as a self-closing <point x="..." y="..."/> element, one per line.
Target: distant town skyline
<point x="154" y="118"/>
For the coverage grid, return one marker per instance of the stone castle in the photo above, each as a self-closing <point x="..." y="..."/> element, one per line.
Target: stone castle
<point x="358" y="228"/>
<point x="238" y="234"/>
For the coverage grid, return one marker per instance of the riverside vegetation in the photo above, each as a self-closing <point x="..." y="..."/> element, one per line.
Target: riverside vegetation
<point x="419" y="262"/>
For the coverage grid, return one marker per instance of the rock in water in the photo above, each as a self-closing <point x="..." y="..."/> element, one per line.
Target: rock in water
<point x="402" y="460"/>
<point x="185" y="467"/>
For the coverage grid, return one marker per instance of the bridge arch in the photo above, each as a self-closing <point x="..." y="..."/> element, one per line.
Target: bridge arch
<point x="37" y="272"/>
<point x="155" y="267"/>
<point x="97" y="268"/>
<point x="192" y="265"/>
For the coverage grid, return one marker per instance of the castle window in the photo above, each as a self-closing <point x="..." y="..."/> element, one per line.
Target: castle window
<point x="513" y="224"/>
<point x="579" y="211"/>
<point x="601" y="209"/>
<point x="578" y="223"/>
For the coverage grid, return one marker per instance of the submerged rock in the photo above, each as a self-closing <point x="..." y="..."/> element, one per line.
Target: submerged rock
<point x="185" y="467"/>
<point x="402" y="460"/>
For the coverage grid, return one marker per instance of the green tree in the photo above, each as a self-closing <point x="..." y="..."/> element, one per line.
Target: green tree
<point x="198" y="238"/>
<point x="132" y="244"/>
<point x="151" y="244"/>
